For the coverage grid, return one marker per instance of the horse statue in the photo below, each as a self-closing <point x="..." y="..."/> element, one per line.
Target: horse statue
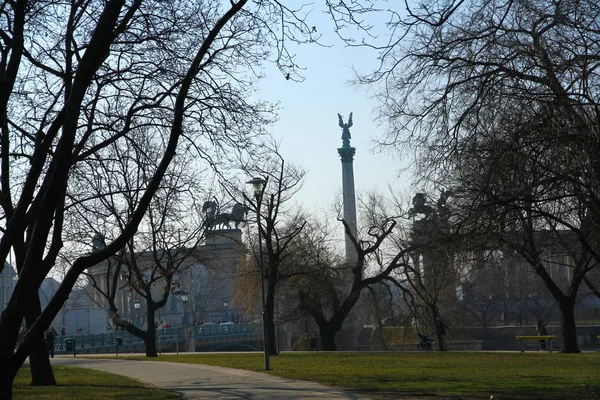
<point x="236" y="216"/>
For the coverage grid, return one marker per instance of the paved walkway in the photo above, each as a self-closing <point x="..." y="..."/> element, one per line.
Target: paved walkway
<point x="195" y="381"/>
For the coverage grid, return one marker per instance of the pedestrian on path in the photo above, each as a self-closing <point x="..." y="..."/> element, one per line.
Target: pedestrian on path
<point x="441" y="328"/>
<point x="542" y="331"/>
<point x="50" y="336"/>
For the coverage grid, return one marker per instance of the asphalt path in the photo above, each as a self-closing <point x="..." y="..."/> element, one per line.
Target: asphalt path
<point x="193" y="381"/>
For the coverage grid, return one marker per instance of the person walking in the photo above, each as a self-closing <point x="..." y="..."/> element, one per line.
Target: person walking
<point x="441" y="327"/>
<point x="50" y="336"/>
<point x="542" y="331"/>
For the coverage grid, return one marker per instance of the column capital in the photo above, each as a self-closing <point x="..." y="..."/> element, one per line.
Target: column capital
<point x="346" y="153"/>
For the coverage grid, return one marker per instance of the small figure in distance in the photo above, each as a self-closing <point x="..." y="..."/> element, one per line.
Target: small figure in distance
<point x="50" y="336"/>
<point x="441" y="328"/>
<point x="542" y="331"/>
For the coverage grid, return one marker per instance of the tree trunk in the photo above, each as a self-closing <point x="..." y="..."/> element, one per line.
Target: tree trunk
<point x="9" y="331"/>
<point x="566" y="306"/>
<point x="150" y="344"/>
<point x="567" y="325"/>
<point x="439" y="330"/>
<point x="41" y="370"/>
<point x="7" y="375"/>
<point x="327" y="334"/>
<point x="150" y="336"/>
<point x="270" y="331"/>
<point x="6" y="379"/>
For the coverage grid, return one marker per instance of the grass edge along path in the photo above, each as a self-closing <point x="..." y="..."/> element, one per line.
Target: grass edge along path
<point x="446" y="374"/>
<point x="86" y="384"/>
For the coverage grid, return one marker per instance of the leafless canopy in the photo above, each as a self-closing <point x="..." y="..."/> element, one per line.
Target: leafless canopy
<point x="100" y="83"/>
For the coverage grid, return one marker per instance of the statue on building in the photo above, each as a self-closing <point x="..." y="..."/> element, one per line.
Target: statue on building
<point x="442" y="208"/>
<point x="216" y="220"/>
<point x="210" y="209"/>
<point x="419" y="206"/>
<point x="439" y="211"/>
<point x="345" y="130"/>
<point x="98" y="242"/>
<point x="441" y="203"/>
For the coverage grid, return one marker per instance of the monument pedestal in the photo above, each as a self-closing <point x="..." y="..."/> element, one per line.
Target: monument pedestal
<point x="224" y="237"/>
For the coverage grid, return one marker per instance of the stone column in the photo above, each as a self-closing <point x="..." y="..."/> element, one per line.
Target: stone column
<point x="347" y="156"/>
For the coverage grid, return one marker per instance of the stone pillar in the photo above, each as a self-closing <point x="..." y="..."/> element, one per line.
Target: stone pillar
<point x="347" y="156"/>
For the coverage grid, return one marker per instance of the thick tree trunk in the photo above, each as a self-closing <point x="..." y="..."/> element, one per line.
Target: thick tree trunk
<point x="567" y="325"/>
<point x="150" y="345"/>
<point x="329" y="328"/>
<point x="566" y="305"/>
<point x="11" y="358"/>
<point x="6" y="376"/>
<point x="6" y="379"/>
<point x="9" y="331"/>
<point x="327" y="334"/>
<point x="150" y="336"/>
<point x="41" y="370"/>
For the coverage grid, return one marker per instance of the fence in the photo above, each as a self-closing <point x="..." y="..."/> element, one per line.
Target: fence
<point x="167" y="338"/>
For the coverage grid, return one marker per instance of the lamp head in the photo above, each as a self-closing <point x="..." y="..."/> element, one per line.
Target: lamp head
<point x="257" y="183"/>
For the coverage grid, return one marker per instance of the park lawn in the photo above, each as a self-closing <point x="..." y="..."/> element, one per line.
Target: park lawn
<point x="86" y="384"/>
<point x="460" y="374"/>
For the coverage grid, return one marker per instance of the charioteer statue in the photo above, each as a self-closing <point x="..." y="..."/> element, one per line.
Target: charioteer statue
<point x="214" y="220"/>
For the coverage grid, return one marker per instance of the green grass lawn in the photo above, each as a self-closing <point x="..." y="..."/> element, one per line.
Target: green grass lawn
<point x="85" y="384"/>
<point x="460" y="374"/>
<point x="475" y="375"/>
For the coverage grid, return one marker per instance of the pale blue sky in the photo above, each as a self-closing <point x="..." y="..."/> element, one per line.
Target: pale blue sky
<point x="308" y="123"/>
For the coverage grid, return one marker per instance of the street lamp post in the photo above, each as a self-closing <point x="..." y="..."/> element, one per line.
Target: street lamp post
<point x="184" y="299"/>
<point x="136" y="307"/>
<point x="259" y="185"/>
<point x="226" y="314"/>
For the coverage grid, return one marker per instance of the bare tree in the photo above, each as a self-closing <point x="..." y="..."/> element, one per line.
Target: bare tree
<point x="592" y="281"/>
<point x="281" y="222"/>
<point x="505" y="95"/>
<point x="431" y="276"/>
<point x="329" y="293"/>
<point x="201" y="292"/>
<point x="77" y="78"/>
<point x="146" y="268"/>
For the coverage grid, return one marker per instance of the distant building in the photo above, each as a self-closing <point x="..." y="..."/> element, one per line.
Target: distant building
<point x="47" y="289"/>
<point x="8" y="278"/>
<point x="206" y="278"/>
<point x="505" y="284"/>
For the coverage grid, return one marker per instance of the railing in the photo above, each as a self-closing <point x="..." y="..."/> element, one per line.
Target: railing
<point x="217" y="330"/>
<point x="164" y="337"/>
<point x="104" y="341"/>
<point x="96" y="340"/>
